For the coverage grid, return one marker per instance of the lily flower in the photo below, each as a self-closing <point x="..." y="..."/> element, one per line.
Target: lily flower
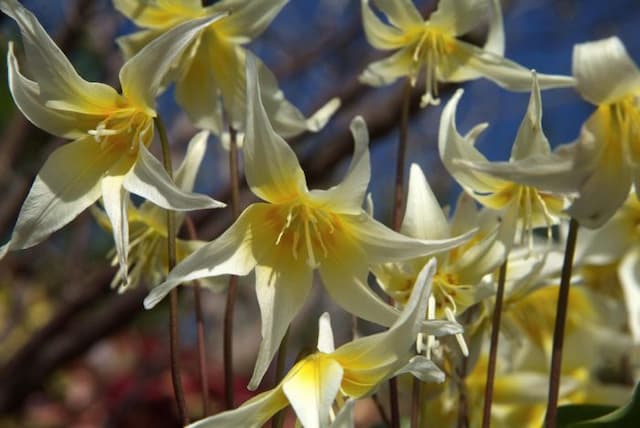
<point x="520" y="204"/>
<point x="148" y="229"/>
<point x="433" y="45"/>
<point x="110" y="131"/>
<point x="604" y="161"/>
<point x="297" y="230"/>
<point x="353" y="370"/>
<point x="210" y="75"/>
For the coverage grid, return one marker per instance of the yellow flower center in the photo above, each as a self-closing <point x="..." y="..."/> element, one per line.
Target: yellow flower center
<point x="309" y="231"/>
<point x="125" y="129"/>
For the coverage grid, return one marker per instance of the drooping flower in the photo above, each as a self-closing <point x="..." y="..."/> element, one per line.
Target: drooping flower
<point x="297" y="230"/>
<point x="433" y="45"/>
<point x="601" y="165"/>
<point x="520" y="204"/>
<point x="148" y="257"/>
<point x="110" y="131"/>
<point x="210" y="75"/>
<point x="354" y="370"/>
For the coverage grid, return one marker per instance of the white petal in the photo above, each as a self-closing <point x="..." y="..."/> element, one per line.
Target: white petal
<point x="604" y="71"/>
<point x="282" y="290"/>
<point x="629" y="272"/>
<point x="232" y="253"/>
<point x="325" y="334"/>
<point x="458" y="17"/>
<point x="185" y="175"/>
<point x="348" y="196"/>
<point x="247" y="20"/>
<point x="531" y="140"/>
<point x="311" y="387"/>
<point x="159" y="14"/>
<point x="453" y="146"/>
<point x="345" y="417"/>
<point x="382" y="244"/>
<point x="271" y="167"/>
<point x="379" y="34"/>
<point x="55" y="75"/>
<point x="114" y="199"/>
<point x="27" y="97"/>
<point x="388" y="70"/>
<point x="422" y="368"/>
<point x="143" y="75"/>
<point x="495" y="36"/>
<point x="503" y="72"/>
<point x="401" y="13"/>
<point x="423" y="217"/>
<point x="149" y="180"/>
<point x="66" y="185"/>
<point x="251" y="414"/>
<point x="607" y="244"/>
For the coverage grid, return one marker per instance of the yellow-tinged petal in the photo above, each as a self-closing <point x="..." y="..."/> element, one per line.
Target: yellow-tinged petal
<point x="27" y="97"/>
<point x="379" y="34"/>
<point x="458" y="17"/>
<point x="401" y="13"/>
<point x="251" y="414"/>
<point x="530" y="140"/>
<point x="282" y="286"/>
<point x="388" y="70"/>
<point x="57" y="79"/>
<point x="311" y="387"/>
<point x="604" y="71"/>
<point x="66" y="185"/>
<point x="232" y="253"/>
<point x="423" y="217"/>
<point x="114" y="200"/>
<point x="143" y="75"/>
<point x="272" y="168"/>
<point x="133" y="43"/>
<point x="247" y="20"/>
<point x="159" y="14"/>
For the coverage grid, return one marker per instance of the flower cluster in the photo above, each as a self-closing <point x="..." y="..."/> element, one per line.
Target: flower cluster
<point x="445" y="275"/>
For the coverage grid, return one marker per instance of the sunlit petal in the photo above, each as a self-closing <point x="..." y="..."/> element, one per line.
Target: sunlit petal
<point x="379" y="34"/>
<point x="530" y="140"/>
<point x="459" y="16"/>
<point x="325" y="334"/>
<point x="248" y="20"/>
<point x="115" y="205"/>
<point x="629" y="272"/>
<point x="388" y="70"/>
<point x="423" y="217"/>
<point x="401" y="13"/>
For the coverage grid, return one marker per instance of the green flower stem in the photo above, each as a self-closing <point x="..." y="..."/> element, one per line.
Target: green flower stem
<point x="233" y="280"/>
<point x="173" y="305"/>
<point x="493" y="347"/>
<point x="278" y="419"/>
<point x="558" y="331"/>
<point x="200" y="338"/>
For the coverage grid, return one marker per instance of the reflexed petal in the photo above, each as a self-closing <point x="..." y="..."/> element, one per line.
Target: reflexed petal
<point x="251" y="414"/>
<point x="348" y="196"/>
<point x="503" y="72"/>
<point x="458" y="17"/>
<point x="495" y="35"/>
<point x="66" y="185"/>
<point x="282" y="288"/>
<point x="379" y="34"/>
<point x="232" y="253"/>
<point x="422" y="368"/>
<point x="604" y="71"/>
<point x="311" y="387"/>
<point x="388" y="70"/>
<point x="26" y="94"/>
<point x="325" y="334"/>
<point x="185" y="175"/>
<point x="56" y="77"/>
<point x="401" y="13"/>
<point x="531" y="140"/>
<point x="423" y="217"/>
<point x="149" y="180"/>
<point x="453" y="146"/>
<point x="159" y="14"/>
<point x="629" y="272"/>
<point x="114" y="200"/>
<point x="143" y="75"/>
<point x="271" y="167"/>
<point x="247" y="20"/>
<point x="382" y="244"/>
<point x="345" y="417"/>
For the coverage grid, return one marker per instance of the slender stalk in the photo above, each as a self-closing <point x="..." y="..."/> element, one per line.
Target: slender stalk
<point x="278" y="419"/>
<point x="200" y="338"/>
<point x="233" y="280"/>
<point x="493" y="347"/>
<point x="558" y="332"/>
<point x="173" y="297"/>
<point x="416" y="401"/>
<point x="398" y="206"/>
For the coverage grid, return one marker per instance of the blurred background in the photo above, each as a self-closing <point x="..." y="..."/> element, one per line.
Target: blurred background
<point x="74" y="353"/>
